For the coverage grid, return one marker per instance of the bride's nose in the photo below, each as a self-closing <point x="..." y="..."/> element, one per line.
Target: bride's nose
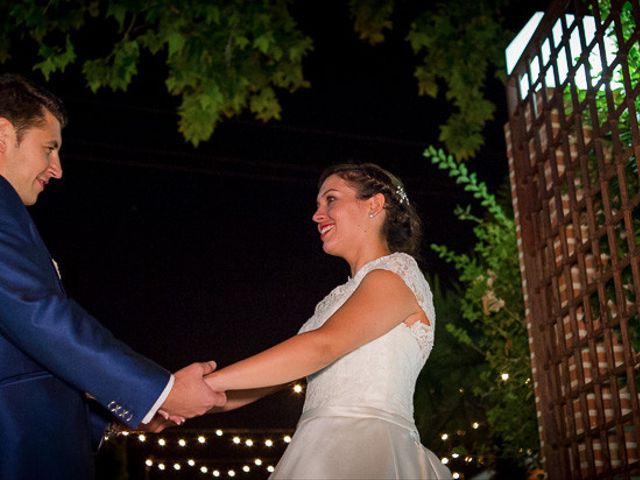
<point x="319" y="215"/>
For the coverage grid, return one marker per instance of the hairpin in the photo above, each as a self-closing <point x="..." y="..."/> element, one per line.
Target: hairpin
<point x="402" y="196"/>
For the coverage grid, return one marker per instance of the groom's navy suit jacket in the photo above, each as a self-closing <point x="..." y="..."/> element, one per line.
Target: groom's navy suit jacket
<point x="53" y="355"/>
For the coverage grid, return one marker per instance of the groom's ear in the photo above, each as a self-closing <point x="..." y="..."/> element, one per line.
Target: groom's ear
<point x="5" y="127"/>
<point x="7" y="134"/>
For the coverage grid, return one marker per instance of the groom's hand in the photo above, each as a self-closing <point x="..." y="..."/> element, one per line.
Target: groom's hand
<point x="191" y="396"/>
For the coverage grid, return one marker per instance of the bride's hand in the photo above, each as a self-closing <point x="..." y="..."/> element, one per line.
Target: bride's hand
<point x="169" y="419"/>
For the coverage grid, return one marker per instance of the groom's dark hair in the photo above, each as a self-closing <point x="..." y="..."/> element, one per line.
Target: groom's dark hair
<point x="24" y="103"/>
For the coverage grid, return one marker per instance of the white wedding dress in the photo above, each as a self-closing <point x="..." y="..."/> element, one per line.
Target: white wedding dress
<point x="357" y="420"/>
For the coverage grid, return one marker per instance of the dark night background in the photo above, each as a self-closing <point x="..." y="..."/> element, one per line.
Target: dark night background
<point x="210" y="253"/>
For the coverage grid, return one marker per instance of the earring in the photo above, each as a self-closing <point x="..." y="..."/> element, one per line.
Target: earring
<point x="371" y="215"/>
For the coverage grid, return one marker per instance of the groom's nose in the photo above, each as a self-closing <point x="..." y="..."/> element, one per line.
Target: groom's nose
<point x="55" y="166"/>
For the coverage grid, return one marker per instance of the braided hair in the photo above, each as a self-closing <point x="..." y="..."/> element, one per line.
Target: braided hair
<point x="402" y="228"/>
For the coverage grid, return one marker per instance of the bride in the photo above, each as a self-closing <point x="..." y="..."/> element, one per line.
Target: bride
<point x="363" y="348"/>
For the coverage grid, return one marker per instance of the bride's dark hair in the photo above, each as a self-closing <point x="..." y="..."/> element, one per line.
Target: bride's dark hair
<point x="402" y="228"/>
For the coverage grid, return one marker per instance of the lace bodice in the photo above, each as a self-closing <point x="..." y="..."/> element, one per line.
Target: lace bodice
<point x="383" y="372"/>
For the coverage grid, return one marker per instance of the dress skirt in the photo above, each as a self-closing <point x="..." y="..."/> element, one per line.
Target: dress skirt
<point x="357" y="443"/>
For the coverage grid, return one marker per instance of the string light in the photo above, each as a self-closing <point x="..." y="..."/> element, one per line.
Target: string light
<point x="475" y="425"/>
<point x="170" y="445"/>
<point x="444" y="436"/>
<point x="455" y="455"/>
<point x="297" y="388"/>
<point x="125" y="433"/>
<point x="444" y="460"/>
<point x="456" y="475"/>
<point x="504" y="377"/>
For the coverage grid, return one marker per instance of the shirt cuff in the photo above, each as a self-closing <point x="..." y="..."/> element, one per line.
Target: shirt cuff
<point x="163" y="396"/>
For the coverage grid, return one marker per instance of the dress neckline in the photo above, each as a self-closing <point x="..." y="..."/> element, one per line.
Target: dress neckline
<point x="364" y="267"/>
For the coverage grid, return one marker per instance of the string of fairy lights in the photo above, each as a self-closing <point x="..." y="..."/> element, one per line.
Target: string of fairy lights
<point x="180" y="451"/>
<point x="187" y="445"/>
<point x="466" y="459"/>
<point x="186" y="451"/>
<point x="221" y="469"/>
<point x="455" y="456"/>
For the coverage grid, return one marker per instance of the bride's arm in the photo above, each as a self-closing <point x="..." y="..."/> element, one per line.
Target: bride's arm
<point x="381" y="301"/>
<point x="240" y="398"/>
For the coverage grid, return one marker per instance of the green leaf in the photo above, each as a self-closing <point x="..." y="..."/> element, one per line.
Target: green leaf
<point x="265" y="105"/>
<point x="372" y="17"/>
<point x="460" y="334"/>
<point x="212" y="14"/>
<point x="118" y="12"/>
<point x="197" y="123"/>
<point x="262" y="43"/>
<point x="55" y="58"/>
<point x="176" y="43"/>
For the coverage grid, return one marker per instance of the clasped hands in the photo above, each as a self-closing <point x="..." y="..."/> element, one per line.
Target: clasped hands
<point x="190" y="397"/>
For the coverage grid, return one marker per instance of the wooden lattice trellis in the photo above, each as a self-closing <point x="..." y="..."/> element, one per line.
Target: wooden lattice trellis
<point x="574" y="149"/>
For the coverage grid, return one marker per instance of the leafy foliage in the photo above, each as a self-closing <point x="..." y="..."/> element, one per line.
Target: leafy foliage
<point x="230" y="56"/>
<point x="444" y="401"/>
<point x="459" y="45"/>
<point x="492" y="307"/>
<point x="222" y="58"/>
<point x="616" y="135"/>
<point x="371" y="18"/>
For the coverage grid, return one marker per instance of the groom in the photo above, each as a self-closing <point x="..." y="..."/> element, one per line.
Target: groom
<point x="63" y="376"/>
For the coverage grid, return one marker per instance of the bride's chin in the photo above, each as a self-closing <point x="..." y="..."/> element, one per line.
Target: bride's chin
<point x="329" y="250"/>
<point x="326" y="247"/>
